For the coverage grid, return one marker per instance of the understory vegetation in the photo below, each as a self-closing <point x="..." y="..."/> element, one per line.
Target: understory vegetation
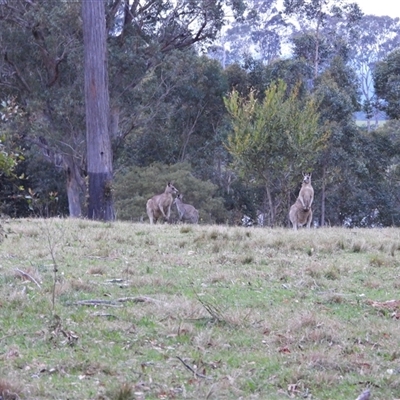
<point x="93" y="310"/>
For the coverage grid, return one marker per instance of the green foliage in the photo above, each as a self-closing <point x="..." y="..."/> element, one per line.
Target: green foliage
<point x="136" y="185"/>
<point x="237" y="79"/>
<point x="7" y="160"/>
<point x="36" y="187"/>
<point x="337" y="95"/>
<point x="387" y="84"/>
<point x="44" y="59"/>
<point x="180" y="115"/>
<point x="336" y="101"/>
<point x="304" y="47"/>
<point x="276" y="135"/>
<point x="10" y="152"/>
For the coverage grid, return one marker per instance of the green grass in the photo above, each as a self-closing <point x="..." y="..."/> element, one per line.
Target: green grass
<point x="197" y="312"/>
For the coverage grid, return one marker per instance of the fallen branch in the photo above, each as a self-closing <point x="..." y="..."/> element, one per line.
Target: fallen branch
<point x="139" y="299"/>
<point x="388" y="305"/>
<point x="114" y="303"/>
<point x="106" y="303"/>
<point x="192" y="370"/>
<point x="29" y="277"/>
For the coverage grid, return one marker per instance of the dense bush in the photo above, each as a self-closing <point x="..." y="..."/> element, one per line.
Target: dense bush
<point x="134" y="186"/>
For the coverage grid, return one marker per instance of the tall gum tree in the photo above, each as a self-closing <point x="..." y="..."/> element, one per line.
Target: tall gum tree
<point x="315" y="15"/>
<point x="99" y="153"/>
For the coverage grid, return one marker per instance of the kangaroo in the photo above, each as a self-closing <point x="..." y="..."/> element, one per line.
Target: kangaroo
<point x="187" y="213"/>
<point x="160" y="204"/>
<point x="300" y="212"/>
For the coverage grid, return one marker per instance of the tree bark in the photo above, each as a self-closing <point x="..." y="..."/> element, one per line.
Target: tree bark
<point x="75" y="187"/>
<point x="99" y="152"/>
<point x="323" y="196"/>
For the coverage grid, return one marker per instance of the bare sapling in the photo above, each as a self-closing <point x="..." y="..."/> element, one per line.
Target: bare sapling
<point x="300" y="212"/>
<point x="187" y="213"/>
<point x="160" y="204"/>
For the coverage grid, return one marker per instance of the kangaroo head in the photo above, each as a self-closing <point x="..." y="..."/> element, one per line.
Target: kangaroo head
<point x="178" y="198"/>
<point x="306" y="178"/>
<point x="171" y="188"/>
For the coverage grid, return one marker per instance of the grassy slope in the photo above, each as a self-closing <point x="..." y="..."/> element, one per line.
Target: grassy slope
<point x="255" y="313"/>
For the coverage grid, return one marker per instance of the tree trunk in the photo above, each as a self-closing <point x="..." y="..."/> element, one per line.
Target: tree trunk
<point x="75" y="187"/>
<point x="271" y="206"/>
<point x="323" y="197"/>
<point x="316" y="55"/>
<point x="99" y="153"/>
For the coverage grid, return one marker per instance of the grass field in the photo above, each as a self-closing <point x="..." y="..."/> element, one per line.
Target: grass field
<point x="131" y="311"/>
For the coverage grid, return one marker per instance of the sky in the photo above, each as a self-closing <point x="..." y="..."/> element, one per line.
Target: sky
<point x="380" y="7"/>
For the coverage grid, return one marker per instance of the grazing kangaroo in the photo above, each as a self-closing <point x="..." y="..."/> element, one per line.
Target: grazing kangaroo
<point x="300" y="212"/>
<point x="160" y="204"/>
<point x="187" y="213"/>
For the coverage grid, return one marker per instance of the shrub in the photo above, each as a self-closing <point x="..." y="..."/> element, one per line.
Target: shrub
<point x="136" y="185"/>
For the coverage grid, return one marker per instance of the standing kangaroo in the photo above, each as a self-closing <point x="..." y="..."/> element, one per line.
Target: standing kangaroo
<point x="160" y="204"/>
<point x="187" y="213"/>
<point x="300" y="212"/>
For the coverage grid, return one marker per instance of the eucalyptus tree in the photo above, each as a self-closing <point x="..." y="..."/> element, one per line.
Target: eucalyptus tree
<point x="318" y="20"/>
<point x="273" y="138"/>
<point x="376" y="37"/>
<point x="258" y="34"/>
<point x="43" y="72"/>
<point x="98" y="142"/>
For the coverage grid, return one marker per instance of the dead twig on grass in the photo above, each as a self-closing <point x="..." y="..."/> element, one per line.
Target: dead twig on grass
<point x="106" y="315"/>
<point x="192" y="370"/>
<point x="213" y="310"/>
<point x="29" y="277"/>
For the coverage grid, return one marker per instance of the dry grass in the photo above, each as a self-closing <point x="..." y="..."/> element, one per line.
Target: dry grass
<point x="197" y="312"/>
